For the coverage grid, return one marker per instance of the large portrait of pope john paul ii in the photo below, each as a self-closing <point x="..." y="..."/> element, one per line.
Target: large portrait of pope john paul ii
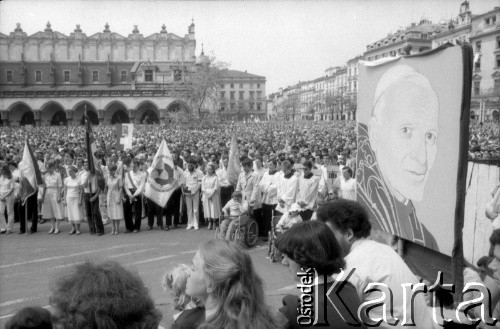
<point x="409" y="131"/>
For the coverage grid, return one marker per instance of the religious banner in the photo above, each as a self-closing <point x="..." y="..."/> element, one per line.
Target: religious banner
<point x="124" y="133"/>
<point x="413" y="119"/>
<point x="163" y="179"/>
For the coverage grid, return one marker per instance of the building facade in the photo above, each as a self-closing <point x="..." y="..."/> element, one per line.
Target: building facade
<point x="242" y="96"/>
<point x="485" y="40"/>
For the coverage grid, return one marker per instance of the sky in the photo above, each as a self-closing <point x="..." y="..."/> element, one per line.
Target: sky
<point x="285" y="41"/>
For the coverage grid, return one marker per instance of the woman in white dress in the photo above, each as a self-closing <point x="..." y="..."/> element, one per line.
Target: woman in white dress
<point x="51" y="197"/>
<point x="210" y="196"/>
<point x="73" y="193"/>
<point x="114" y="198"/>
<point x="6" y="199"/>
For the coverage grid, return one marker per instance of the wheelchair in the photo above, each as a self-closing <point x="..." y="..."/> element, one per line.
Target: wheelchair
<point x="245" y="235"/>
<point x="272" y="252"/>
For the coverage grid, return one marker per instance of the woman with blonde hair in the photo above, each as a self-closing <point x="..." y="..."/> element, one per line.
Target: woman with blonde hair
<point x="224" y="279"/>
<point x="192" y="310"/>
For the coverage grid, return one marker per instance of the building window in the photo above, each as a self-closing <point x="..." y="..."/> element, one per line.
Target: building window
<point x="252" y="93"/>
<point x="496" y="85"/>
<point x="222" y="95"/>
<point x="423" y="36"/>
<point x="241" y="85"/>
<point x="148" y="75"/>
<point x="498" y="42"/>
<point x="259" y="94"/>
<point x="258" y="106"/>
<point x="241" y="94"/>
<point x="231" y="95"/>
<point x="478" y="46"/>
<point x="233" y="106"/>
<point x="95" y="76"/>
<point x="9" y="76"/>
<point x="250" y="85"/>
<point x="38" y="76"/>
<point x="498" y="61"/>
<point x="477" y="85"/>
<point x="490" y="20"/>
<point x="477" y="64"/>
<point x="124" y="76"/>
<point x="66" y="76"/>
<point x="232" y="85"/>
<point x="221" y="86"/>
<point x="240" y="107"/>
<point x="258" y="86"/>
<point x="252" y="106"/>
<point x="222" y="107"/>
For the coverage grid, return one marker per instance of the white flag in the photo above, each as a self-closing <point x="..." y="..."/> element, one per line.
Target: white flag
<point x="163" y="179"/>
<point x="124" y="133"/>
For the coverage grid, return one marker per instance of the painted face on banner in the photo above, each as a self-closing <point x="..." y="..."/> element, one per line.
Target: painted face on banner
<point x="404" y="137"/>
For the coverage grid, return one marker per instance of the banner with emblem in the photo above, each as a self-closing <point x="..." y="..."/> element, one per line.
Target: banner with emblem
<point x="163" y="179"/>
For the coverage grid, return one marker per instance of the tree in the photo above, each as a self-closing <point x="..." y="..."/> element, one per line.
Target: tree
<point x="291" y="105"/>
<point x="200" y="93"/>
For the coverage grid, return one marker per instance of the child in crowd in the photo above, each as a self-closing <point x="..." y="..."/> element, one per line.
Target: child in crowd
<point x="192" y="311"/>
<point x="233" y="208"/>
<point x="289" y="218"/>
<point x="30" y="317"/>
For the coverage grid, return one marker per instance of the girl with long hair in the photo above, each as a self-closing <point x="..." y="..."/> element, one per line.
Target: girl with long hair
<point x="224" y="279"/>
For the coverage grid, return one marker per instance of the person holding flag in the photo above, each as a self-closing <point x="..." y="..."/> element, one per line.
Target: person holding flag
<point x="30" y="178"/>
<point x="162" y="181"/>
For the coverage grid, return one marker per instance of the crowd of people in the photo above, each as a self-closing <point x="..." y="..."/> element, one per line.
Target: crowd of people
<point x="313" y="155"/>
<point x="301" y="171"/>
<point x="484" y="140"/>
<point x="223" y="289"/>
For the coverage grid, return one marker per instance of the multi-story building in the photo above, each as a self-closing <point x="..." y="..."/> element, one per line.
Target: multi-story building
<point x="50" y="78"/>
<point x="485" y="40"/>
<point x="414" y="39"/>
<point x="242" y="96"/>
<point x="352" y="86"/>
<point x="457" y="30"/>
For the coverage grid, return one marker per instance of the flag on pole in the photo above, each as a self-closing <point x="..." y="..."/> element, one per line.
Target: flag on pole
<point x="163" y="179"/>
<point x="31" y="176"/>
<point x="124" y="133"/>
<point x="93" y="163"/>
<point x="233" y="165"/>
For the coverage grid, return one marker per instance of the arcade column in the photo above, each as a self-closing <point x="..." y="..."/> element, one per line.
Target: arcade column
<point x="131" y="115"/>
<point x="100" y="116"/>
<point x="69" y="117"/>
<point x="38" y="117"/>
<point x="4" y="116"/>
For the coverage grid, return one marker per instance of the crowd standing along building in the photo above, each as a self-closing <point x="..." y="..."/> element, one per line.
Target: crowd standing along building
<point x="48" y="78"/>
<point x="333" y="96"/>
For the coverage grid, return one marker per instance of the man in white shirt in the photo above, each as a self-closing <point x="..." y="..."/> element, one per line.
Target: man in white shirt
<point x="307" y="191"/>
<point x="347" y="185"/>
<point x="287" y="187"/>
<point x="373" y="262"/>
<point x="191" y="189"/>
<point x="226" y="189"/>
<point x="265" y="192"/>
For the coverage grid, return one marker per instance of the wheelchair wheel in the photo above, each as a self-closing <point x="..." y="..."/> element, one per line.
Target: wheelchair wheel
<point x="252" y="233"/>
<point x="239" y="236"/>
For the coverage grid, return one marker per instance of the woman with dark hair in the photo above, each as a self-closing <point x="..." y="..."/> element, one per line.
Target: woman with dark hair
<point x="224" y="279"/>
<point x="33" y="317"/>
<point x="312" y="245"/>
<point x="6" y="199"/>
<point x="103" y="295"/>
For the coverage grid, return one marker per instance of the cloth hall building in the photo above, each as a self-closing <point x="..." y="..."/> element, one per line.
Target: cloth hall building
<point x="48" y="78"/>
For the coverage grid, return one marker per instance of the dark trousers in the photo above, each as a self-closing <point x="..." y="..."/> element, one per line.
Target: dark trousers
<point x="258" y="216"/>
<point x="94" y="217"/>
<point x="225" y="194"/>
<point x="136" y="208"/>
<point x="267" y="215"/>
<point x="173" y="207"/>
<point x="17" y="205"/>
<point x="32" y="205"/>
<point x="306" y="214"/>
<point x="154" y="210"/>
